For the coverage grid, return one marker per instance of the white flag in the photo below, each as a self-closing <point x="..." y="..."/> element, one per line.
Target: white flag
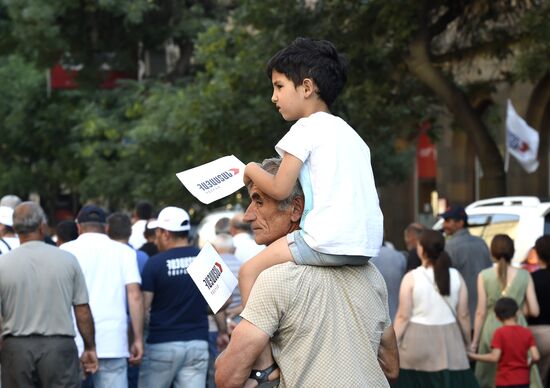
<point x="214" y="180"/>
<point x="522" y="141"/>
<point x="213" y="277"/>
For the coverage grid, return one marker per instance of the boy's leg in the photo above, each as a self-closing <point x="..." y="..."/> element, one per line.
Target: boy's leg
<point x="276" y="253"/>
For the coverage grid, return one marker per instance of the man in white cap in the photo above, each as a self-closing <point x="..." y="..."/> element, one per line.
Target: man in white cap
<point x="176" y="352"/>
<point x="8" y="237"/>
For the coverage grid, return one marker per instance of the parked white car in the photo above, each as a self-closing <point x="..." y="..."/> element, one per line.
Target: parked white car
<point x="524" y="219"/>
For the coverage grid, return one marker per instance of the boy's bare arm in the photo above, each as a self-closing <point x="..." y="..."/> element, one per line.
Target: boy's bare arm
<point x="494" y="356"/>
<point x="277" y="186"/>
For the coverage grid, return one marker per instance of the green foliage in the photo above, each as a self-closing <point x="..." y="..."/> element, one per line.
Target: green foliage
<point x="534" y="59"/>
<point x="126" y="144"/>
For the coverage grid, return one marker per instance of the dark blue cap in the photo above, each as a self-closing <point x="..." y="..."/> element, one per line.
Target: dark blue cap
<point x="91" y="213"/>
<point x="455" y="212"/>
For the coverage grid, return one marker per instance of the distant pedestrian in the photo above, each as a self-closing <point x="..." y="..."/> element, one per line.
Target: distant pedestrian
<point x="150" y="247"/>
<point x="493" y="284"/>
<point x="10" y="200"/>
<point x="39" y="286"/>
<point x="142" y="213"/>
<point x="540" y="326"/>
<point x="66" y="231"/>
<point x="176" y="352"/>
<point x="119" y="228"/>
<point x="411" y="236"/>
<point x="469" y="254"/>
<point x="112" y="278"/>
<point x="513" y="348"/>
<point x="432" y="323"/>
<point x="392" y="265"/>
<point x="8" y="237"/>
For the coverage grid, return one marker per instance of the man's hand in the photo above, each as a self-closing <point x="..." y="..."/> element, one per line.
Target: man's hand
<point x="222" y="341"/>
<point x="136" y="352"/>
<point x="89" y="362"/>
<point x="388" y="355"/>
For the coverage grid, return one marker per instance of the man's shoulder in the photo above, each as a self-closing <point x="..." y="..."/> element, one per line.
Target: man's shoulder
<point x="292" y="272"/>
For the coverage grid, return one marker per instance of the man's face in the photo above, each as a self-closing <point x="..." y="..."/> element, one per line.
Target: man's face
<point x="410" y="240"/>
<point x="450" y="226"/>
<point x="160" y="239"/>
<point x="267" y="221"/>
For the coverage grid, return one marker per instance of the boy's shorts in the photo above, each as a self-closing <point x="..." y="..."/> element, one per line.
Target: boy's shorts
<point x="304" y="255"/>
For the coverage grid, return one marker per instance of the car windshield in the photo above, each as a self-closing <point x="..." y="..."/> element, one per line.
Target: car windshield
<point x="487" y="226"/>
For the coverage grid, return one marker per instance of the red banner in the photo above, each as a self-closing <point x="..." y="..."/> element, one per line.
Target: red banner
<point x="426" y="155"/>
<point x="64" y="78"/>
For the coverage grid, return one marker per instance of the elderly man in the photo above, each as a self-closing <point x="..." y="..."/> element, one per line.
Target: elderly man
<point x="327" y="325"/>
<point x="39" y="286"/>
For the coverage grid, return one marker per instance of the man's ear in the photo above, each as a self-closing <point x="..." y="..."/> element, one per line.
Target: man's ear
<point x="297" y="209"/>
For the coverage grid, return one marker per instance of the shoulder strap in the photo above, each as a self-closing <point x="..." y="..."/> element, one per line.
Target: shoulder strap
<point x="5" y="243"/>
<point x="448" y="305"/>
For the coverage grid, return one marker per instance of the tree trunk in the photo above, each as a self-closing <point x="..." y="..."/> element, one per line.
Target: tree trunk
<point x="538" y="117"/>
<point x="419" y="64"/>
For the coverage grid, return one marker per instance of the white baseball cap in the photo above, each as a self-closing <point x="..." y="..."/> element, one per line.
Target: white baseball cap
<point x="173" y="219"/>
<point x="6" y="215"/>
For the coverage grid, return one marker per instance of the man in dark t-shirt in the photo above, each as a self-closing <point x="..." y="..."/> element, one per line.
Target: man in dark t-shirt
<point x="178" y="323"/>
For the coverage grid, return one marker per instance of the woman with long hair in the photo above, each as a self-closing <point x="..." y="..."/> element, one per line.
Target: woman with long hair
<point x="502" y="279"/>
<point x="432" y="324"/>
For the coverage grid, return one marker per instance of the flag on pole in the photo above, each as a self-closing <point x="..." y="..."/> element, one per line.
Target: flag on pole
<point x="522" y="141"/>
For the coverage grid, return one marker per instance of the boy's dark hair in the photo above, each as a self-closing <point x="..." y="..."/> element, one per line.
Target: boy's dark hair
<point x="315" y="59"/>
<point x="506" y="308"/>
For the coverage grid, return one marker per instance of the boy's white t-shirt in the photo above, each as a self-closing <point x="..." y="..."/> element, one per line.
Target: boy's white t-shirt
<point x="345" y="216"/>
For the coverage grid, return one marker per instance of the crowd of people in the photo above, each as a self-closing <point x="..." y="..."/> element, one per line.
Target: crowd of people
<point x="436" y="307"/>
<point x="320" y="303"/>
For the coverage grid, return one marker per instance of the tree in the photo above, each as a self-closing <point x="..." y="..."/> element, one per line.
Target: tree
<point x="431" y="34"/>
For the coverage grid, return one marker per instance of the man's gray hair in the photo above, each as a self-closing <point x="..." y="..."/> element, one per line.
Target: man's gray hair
<point x="271" y="165"/>
<point x="28" y="220"/>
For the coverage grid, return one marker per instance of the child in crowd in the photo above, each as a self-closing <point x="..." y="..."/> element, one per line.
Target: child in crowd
<point x="511" y="346"/>
<point x="342" y="222"/>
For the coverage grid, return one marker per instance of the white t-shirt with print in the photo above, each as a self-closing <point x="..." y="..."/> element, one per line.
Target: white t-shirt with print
<point x="345" y="216"/>
<point x="108" y="266"/>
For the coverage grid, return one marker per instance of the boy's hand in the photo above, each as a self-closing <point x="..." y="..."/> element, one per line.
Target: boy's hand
<point x="246" y="175"/>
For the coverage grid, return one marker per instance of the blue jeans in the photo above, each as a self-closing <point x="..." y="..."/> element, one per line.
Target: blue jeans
<point x="111" y="373"/>
<point x="180" y="364"/>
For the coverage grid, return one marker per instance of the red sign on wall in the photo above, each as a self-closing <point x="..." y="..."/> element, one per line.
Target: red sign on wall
<point x="426" y="155"/>
<point x="64" y="78"/>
